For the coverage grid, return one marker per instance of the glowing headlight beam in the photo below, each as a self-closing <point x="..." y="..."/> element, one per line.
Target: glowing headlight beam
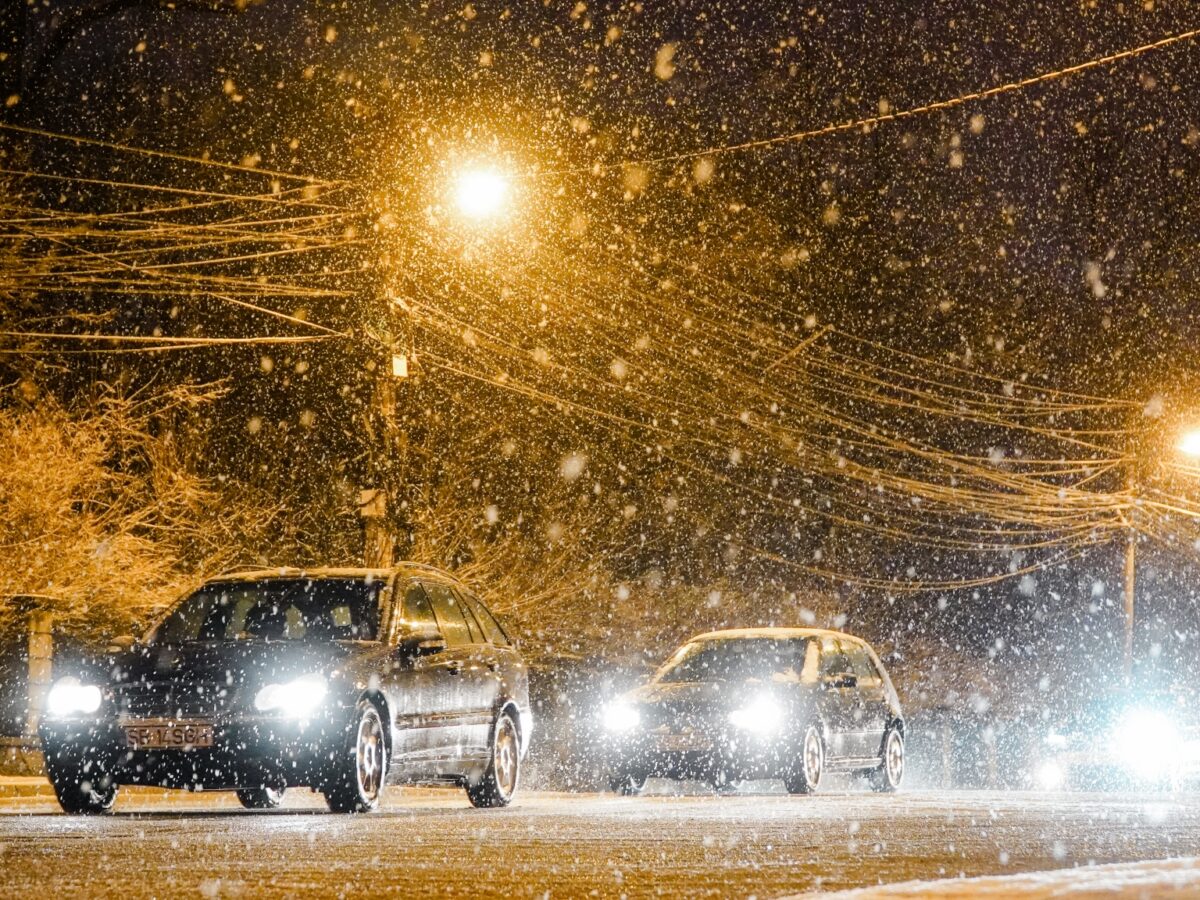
<point x="763" y="716"/>
<point x="297" y="698"/>
<point x="69" y="696"/>
<point x="1148" y="744"/>
<point x="620" y="716"/>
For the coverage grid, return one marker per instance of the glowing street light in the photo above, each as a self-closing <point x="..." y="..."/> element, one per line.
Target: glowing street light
<point x="1189" y="443"/>
<point x="480" y="193"/>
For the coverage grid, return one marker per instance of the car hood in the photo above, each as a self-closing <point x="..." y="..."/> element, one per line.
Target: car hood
<point x="697" y="698"/>
<point x="231" y="662"/>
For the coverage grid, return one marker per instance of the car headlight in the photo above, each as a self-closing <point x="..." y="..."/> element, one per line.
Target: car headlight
<point x="297" y="698"/>
<point x="69" y="696"/>
<point x="620" y="716"/>
<point x="762" y="715"/>
<point x="1148" y="743"/>
<point x="1050" y="776"/>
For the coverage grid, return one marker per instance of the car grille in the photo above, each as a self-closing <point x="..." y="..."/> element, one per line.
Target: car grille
<point x="184" y="700"/>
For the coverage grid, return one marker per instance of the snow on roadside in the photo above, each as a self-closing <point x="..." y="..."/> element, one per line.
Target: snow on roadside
<point x="1169" y="878"/>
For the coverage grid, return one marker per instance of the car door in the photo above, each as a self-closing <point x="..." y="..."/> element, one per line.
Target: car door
<point x="837" y="702"/>
<point x="460" y="661"/>
<point x="482" y="677"/>
<point x="423" y="689"/>
<point x="873" y="709"/>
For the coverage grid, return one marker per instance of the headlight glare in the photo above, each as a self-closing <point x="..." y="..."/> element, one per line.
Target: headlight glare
<point x="1148" y="744"/>
<point x="297" y="698"/>
<point x="69" y="696"/>
<point x="620" y="716"/>
<point x="762" y="716"/>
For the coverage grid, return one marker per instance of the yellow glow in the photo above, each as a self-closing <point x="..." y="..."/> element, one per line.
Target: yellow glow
<point x="1189" y="444"/>
<point x="480" y="193"/>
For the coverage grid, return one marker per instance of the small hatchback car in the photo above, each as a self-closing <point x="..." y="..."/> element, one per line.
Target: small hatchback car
<point x="788" y="703"/>
<point x="338" y="679"/>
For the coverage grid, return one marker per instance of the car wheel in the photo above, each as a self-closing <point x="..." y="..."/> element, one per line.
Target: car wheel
<point x="499" y="781"/>
<point x="261" y="797"/>
<point x="890" y="773"/>
<point x="806" y="773"/>
<point x="356" y="785"/>
<point x="82" y="793"/>
<point x="626" y="783"/>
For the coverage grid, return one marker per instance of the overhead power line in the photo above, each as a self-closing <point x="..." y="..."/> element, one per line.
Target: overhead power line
<point x="881" y="118"/>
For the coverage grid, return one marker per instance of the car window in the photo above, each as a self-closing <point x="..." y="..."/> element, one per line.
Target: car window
<point x="833" y="660"/>
<point x="417" y="610"/>
<point x="491" y="628"/>
<point x="477" y="633"/>
<point x="448" y="610"/>
<point x="864" y="668"/>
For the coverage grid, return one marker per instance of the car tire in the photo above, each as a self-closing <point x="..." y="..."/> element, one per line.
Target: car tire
<point x="261" y="797"/>
<point x="498" y="784"/>
<point x="81" y="793"/>
<point x="626" y="783"/>
<point x="887" y="777"/>
<point x="356" y="783"/>
<point x="805" y="776"/>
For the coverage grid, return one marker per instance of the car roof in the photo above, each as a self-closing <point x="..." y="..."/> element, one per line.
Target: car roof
<point x="264" y="573"/>
<point x="775" y="633"/>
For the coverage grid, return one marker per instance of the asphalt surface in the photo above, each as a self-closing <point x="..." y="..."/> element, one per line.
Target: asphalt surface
<point x="429" y="842"/>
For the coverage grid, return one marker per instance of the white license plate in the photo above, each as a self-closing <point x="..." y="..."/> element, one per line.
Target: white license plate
<point x="677" y="742"/>
<point x="165" y="735"/>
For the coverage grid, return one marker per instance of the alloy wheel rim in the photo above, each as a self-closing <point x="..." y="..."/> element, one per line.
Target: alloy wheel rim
<point x="370" y="755"/>
<point x="505" y="758"/>
<point x="895" y="758"/>
<point x="812" y="756"/>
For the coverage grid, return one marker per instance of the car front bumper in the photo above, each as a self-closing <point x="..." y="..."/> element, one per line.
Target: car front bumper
<point x="246" y="752"/>
<point x="704" y="756"/>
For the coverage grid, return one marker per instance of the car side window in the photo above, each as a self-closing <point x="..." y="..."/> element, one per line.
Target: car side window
<point x="491" y="628"/>
<point x="477" y="634"/>
<point x="864" y="668"/>
<point x="417" y="610"/>
<point x="833" y="659"/>
<point x="448" y="610"/>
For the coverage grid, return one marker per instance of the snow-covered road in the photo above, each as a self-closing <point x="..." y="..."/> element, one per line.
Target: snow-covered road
<point x="429" y="842"/>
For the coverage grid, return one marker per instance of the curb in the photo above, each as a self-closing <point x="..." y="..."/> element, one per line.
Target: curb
<point x="12" y="787"/>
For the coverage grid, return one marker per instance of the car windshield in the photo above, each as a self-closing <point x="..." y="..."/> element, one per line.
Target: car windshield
<point x="292" y="609"/>
<point x="743" y="659"/>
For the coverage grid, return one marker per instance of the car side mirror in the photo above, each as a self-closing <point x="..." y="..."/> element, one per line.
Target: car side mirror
<point x="844" y="680"/>
<point x="120" y="643"/>
<point x="412" y="644"/>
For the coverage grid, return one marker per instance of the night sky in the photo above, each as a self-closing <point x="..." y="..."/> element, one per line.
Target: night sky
<point x="1045" y="238"/>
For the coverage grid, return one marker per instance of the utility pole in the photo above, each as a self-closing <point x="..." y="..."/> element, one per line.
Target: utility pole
<point x="379" y="501"/>
<point x="1130" y="585"/>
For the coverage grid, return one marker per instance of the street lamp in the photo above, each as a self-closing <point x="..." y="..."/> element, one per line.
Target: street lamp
<point x="480" y="193"/>
<point x="1189" y="443"/>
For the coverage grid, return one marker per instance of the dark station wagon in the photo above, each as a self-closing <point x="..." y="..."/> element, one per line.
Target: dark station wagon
<point x="341" y="680"/>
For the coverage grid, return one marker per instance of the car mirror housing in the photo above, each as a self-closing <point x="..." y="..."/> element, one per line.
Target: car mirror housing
<point x="121" y="643"/>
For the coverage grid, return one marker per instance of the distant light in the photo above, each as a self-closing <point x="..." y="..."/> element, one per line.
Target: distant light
<point x="480" y="193"/>
<point x="1050" y="776"/>
<point x="1189" y="444"/>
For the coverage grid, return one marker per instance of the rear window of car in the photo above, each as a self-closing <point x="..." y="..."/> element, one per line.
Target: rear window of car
<point x="491" y="628"/>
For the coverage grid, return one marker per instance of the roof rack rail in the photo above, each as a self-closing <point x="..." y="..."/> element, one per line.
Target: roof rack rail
<point x="247" y="567"/>
<point x="424" y="567"/>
